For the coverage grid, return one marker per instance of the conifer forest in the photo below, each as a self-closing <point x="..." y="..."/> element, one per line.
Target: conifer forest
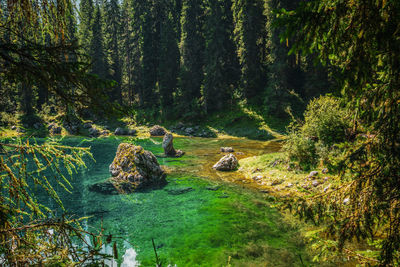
<point x="199" y="133"/>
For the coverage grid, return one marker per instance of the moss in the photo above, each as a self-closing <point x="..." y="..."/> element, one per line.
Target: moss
<point x="274" y="174"/>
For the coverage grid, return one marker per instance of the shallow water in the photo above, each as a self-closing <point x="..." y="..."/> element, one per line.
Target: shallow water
<point x="200" y="227"/>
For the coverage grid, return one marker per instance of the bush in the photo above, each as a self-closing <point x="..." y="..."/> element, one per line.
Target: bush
<point x="326" y="120"/>
<point x="325" y="124"/>
<point x="301" y="149"/>
<point x="8" y="119"/>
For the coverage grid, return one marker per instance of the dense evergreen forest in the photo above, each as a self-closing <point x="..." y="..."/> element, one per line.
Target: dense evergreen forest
<point x="182" y="59"/>
<point x="332" y="67"/>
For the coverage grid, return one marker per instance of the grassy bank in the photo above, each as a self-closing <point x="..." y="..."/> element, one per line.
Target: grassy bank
<point x="240" y="121"/>
<point x="274" y="174"/>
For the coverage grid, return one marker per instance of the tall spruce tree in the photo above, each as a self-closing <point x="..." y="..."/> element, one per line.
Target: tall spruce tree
<point x="97" y="54"/>
<point x="221" y="63"/>
<point x="292" y="78"/>
<point x="112" y="37"/>
<point x="86" y="14"/>
<point x="284" y="73"/>
<point x="151" y="38"/>
<point x="249" y="36"/>
<point x="168" y="67"/>
<point x="192" y="52"/>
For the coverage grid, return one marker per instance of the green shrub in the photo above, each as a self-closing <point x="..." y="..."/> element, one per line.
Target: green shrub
<point x="301" y="149"/>
<point x="312" y="141"/>
<point x="326" y="120"/>
<point x="8" y="119"/>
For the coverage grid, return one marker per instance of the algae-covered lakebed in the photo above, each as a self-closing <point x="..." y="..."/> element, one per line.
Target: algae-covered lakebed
<point x="200" y="218"/>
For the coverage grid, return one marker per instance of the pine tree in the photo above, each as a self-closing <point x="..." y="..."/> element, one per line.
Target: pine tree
<point x="86" y="13"/>
<point x="249" y="36"/>
<point x="151" y="26"/>
<point x="97" y="54"/>
<point x="112" y="37"/>
<point x="132" y="41"/>
<point x="221" y="63"/>
<point x="168" y="67"/>
<point x="292" y="79"/>
<point x="192" y="52"/>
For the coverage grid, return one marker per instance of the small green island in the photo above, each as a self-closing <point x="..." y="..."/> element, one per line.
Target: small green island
<point x="199" y="133"/>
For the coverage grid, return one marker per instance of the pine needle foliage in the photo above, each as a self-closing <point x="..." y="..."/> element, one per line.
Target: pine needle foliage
<point x="37" y="49"/>
<point x="30" y="233"/>
<point x="362" y="38"/>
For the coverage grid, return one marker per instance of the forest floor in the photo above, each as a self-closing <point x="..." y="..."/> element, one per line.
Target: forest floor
<point x="240" y="121"/>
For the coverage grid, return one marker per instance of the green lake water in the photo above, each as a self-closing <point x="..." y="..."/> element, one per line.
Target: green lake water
<point x="201" y="227"/>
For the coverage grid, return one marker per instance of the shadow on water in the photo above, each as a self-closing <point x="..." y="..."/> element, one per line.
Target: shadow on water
<point x="200" y="218"/>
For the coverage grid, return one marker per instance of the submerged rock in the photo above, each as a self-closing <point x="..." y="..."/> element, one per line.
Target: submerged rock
<point x="133" y="168"/>
<point x="227" y="149"/>
<point x="157" y="130"/>
<point x="213" y="188"/>
<point x="226" y="163"/>
<point x="106" y="187"/>
<point x="168" y="147"/>
<point x="179" y="191"/>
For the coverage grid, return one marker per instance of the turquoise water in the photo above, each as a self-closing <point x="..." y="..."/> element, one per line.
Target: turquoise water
<point x="190" y="224"/>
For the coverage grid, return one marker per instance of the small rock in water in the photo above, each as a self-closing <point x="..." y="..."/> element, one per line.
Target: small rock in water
<point x="226" y="163"/>
<point x="119" y="131"/>
<point x="227" y="149"/>
<point x="157" y="130"/>
<point x="168" y="146"/>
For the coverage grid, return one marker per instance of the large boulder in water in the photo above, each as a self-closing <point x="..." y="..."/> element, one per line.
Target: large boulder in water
<point x="226" y="163"/>
<point x="157" y="130"/>
<point x="168" y="147"/>
<point x="133" y="168"/>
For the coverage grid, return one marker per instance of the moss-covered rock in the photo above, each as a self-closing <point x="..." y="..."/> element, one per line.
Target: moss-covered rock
<point x="133" y="168"/>
<point x="157" y="130"/>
